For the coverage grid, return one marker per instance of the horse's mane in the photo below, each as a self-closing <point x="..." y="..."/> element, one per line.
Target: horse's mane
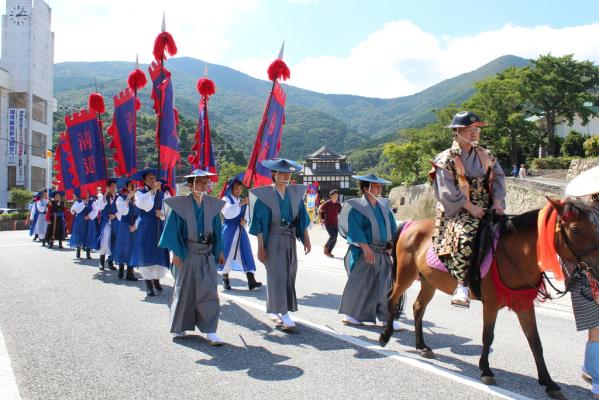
<point x="520" y="223"/>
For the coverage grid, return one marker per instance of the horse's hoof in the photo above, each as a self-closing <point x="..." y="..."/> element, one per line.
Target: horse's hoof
<point x="488" y="380"/>
<point x="383" y="340"/>
<point x="556" y="394"/>
<point x="427" y="353"/>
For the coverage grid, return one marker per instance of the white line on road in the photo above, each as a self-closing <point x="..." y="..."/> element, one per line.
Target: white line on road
<point x="8" y="385"/>
<point x="464" y="380"/>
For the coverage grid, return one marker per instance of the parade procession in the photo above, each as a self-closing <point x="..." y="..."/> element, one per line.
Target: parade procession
<point x="153" y="263"/>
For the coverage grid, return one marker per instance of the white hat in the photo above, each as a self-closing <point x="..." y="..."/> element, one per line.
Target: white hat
<point x="585" y="184"/>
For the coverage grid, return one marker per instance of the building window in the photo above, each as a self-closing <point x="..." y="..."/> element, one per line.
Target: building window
<point x="38" y="144"/>
<point x="313" y="165"/>
<point x="38" y="109"/>
<point x="17" y="100"/>
<point x="336" y="165"/>
<point x="38" y="178"/>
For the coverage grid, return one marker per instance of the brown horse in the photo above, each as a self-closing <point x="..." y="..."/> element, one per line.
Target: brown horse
<point x="516" y="264"/>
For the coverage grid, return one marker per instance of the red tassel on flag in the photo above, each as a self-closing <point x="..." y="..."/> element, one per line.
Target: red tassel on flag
<point x="164" y="41"/>
<point x="96" y="103"/>
<point x="278" y="70"/>
<point x="137" y="104"/>
<point x="137" y="79"/>
<point x="206" y="87"/>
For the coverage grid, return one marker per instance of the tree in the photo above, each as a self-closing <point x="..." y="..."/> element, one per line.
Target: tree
<point x="591" y="146"/>
<point x="21" y="197"/>
<point x="226" y="171"/>
<point x="574" y="144"/>
<point x="410" y="160"/>
<point x="558" y="87"/>
<point x="499" y="101"/>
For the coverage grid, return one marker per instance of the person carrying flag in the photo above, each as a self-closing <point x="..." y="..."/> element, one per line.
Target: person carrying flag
<point x="39" y="223"/>
<point x="55" y="219"/>
<point x="79" y="228"/>
<point x="237" y="247"/>
<point x="107" y="228"/>
<point x="279" y="217"/>
<point x="124" y="228"/>
<point x="193" y="232"/>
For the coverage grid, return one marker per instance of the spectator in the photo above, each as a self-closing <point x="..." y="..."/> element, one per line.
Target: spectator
<point x="329" y="215"/>
<point x="523" y="172"/>
<point x="515" y="171"/>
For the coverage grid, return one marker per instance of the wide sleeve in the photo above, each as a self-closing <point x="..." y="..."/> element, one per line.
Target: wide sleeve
<point x="145" y="201"/>
<point x="41" y="207"/>
<point x="77" y="207"/>
<point x="303" y="222"/>
<point x="230" y="211"/>
<point x="447" y="193"/>
<point x="261" y="216"/>
<point x="499" y="184"/>
<point x="174" y="235"/>
<point x="393" y="224"/>
<point x="101" y="203"/>
<point x="356" y="233"/>
<point x="217" y="236"/>
<point x="122" y="208"/>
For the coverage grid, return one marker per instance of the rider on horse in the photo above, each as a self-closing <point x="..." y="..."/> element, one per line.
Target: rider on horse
<point x="467" y="182"/>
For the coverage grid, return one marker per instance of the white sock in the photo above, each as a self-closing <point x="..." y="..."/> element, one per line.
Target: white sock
<point x="395" y="325"/>
<point x="179" y="334"/>
<point x="352" y="320"/>
<point x="213" y="337"/>
<point x="286" y="318"/>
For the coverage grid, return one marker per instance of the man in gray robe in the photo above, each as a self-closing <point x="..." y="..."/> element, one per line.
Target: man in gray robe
<point x="279" y="217"/>
<point x="368" y="225"/>
<point x="193" y="233"/>
<point x="467" y="183"/>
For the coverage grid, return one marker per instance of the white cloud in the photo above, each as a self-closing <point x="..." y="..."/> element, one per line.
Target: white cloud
<point x="89" y="30"/>
<point x="402" y="59"/>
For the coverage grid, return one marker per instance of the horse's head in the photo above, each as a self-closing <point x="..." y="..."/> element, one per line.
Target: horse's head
<point x="577" y="238"/>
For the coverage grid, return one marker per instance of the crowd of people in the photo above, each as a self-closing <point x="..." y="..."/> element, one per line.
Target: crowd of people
<point x="199" y="236"/>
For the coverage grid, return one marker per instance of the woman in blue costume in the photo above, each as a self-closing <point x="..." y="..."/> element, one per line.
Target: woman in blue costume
<point x="124" y="227"/>
<point x="368" y="225"/>
<point x="193" y="233"/>
<point x="33" y="214"/>
<point x="151" y="260"/>
<point x="79" y="229"/>
<point x="108" y="221"/>
<point x="90" y="215"/>
<point x="237" y="248"/>
<point x="279" y="217"/>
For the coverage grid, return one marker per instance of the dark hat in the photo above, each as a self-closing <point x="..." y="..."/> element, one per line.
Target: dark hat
<point x="371" y="178"/>
<point x="110" y="181"/>
<point x="282" y="165"/>
<point x="55" y="192"/>
<point x="464" y="119"/>
<point x="122" y="183"/>
<point x="141" y="175"/>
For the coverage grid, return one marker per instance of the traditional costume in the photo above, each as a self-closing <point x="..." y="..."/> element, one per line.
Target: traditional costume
<point x="237" y="248"/>
<point x="79" y="229"/>
<point x="193" y="232"/>
<point x="151" y="260"/>
<point x="280" y="218"/>
<point x="123" y="227"/>
<point x="584" y="288"/>
<point x="56" y="229"/>
<point x="39" y="223"/>
<point x="32" y="218"/>
<point x="107" y="226"/>
<point x="461" y="178"/>
<point x="90" y="215"/>
<point x="362" y="222"/>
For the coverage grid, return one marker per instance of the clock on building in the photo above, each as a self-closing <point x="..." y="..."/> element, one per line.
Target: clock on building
<point x="18" y="15"/>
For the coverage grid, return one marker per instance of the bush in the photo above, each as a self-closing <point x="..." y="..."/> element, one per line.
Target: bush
<point x="552" y="163"/>
<point x="14" y="216"/>
<point x="21" y="197"/>
<point x="574" y="144"/>
<point x="591" y="146"/>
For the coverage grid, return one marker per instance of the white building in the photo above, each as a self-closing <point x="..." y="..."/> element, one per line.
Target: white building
<point x="563" y="128"/>
<point x="26" y="96"/>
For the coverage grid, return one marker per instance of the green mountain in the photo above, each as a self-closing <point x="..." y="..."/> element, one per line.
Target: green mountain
<point x="343" y="122"/>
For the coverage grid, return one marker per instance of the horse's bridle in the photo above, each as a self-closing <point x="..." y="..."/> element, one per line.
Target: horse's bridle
<point x="580" y="263"/>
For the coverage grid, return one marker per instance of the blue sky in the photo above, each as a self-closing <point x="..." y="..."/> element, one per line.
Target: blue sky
<point x="374" y="48"/>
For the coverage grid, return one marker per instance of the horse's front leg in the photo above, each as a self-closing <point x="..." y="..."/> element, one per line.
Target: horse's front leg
<point x="490" y="310"/>
<point x="528" y="322"/>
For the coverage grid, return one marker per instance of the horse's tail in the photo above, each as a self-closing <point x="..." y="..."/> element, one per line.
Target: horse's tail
<point x="401" y="302"/>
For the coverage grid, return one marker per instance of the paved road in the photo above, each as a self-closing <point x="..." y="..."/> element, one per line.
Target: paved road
<point x="74" y="332"/>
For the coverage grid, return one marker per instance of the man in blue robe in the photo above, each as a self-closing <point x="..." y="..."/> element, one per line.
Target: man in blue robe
<point x="237" y="248"/>
<point x="193" y="233"/>
<point x="108" y="221"/>
<point x="151" y="260"/>
<point x="79" y="228"/>
<point x="368" y="225"/>
<point x="124" y="228"/>
<point x="279" y="217"/>
<point x="90" y="215"/>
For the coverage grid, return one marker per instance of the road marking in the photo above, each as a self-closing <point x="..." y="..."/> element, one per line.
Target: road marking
<point x="8" y="385"/>
<point x="464" y="380"/>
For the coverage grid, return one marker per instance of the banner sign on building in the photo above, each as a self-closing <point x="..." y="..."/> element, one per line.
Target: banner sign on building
<point x="12" y="137"/>
<point x="20" y="134"/>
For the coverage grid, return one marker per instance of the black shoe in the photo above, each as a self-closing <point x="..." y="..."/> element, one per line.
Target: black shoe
<point x="252" y="283"/>
<point x="226" y="282"/>
<point x="150" y="288"/>
<point x="121" y="270"/>
<point x="88" y="254"/>
<point x="43" y="243"/>
<point x="111" y="265"/>
<point x="157" y="285"/>
<point x="130" y="276"/>
<point x="60" y="244"/>
<point x="35" y="237"/>
<point x="50" y="245"/>
<point x="102" y="260"/>
<point x="78" y="254"/>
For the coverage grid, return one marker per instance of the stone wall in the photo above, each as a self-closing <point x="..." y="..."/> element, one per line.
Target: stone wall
<point x="418" y="202"/>
<point x="581" y="165"/>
